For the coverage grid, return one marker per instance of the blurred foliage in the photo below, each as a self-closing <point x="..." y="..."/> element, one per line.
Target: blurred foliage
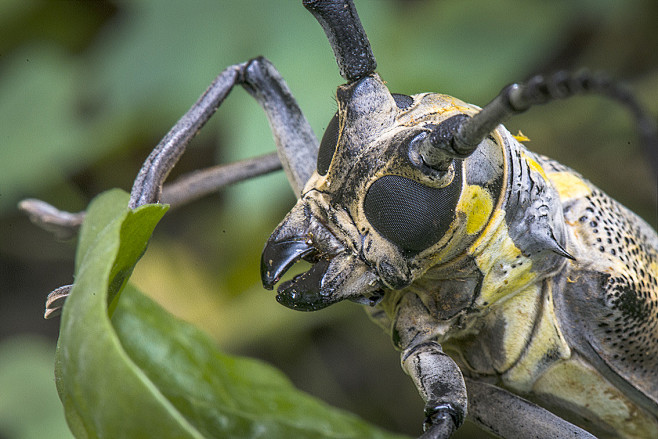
<point x="87" y="88"/>
<point x="29" y="407"/>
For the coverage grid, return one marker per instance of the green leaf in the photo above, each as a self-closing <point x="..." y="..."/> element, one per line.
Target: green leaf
<point x="144" y="373"/>
<point x="104" y="394"/>
<point x="222" y="395"/>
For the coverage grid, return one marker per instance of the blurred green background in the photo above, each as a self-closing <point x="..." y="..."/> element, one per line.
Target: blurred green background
<point x="87" y="88"/>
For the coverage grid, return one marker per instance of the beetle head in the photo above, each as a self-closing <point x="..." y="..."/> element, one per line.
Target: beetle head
<point x="375" y="216"/>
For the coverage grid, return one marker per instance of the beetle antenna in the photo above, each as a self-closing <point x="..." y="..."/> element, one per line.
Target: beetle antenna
<point x="346" y="35"/>
<point x="463" y="134"/>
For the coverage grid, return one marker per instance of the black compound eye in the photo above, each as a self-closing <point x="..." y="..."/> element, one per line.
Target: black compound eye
<point x="328" y="146"/>
<point x="409" y="214"/>
<point x="402" y="101"/>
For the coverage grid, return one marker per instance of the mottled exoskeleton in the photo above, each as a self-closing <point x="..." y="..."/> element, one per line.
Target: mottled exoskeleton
<point x="526" y="275"/>
<point x="499" y="274"/>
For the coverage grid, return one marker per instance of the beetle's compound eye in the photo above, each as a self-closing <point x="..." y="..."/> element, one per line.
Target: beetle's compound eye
<point x="411" y="215"/>
<point x="328" y="146"/>
<point x="402" y="101"/>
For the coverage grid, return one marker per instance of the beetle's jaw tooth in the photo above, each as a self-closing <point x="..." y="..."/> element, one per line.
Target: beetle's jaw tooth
<point x="305" y="292"/>
<point x="300" y="236"/>
<point x="279" y="256"/>
<point x="336" y="273"/>
<point x="308" y="291"/>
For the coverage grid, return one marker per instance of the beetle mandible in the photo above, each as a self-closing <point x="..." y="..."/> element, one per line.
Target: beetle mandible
<point x="476" y="255"/>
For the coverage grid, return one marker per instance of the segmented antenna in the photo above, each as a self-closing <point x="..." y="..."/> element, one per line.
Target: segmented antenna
<point x="462" y="135"/>
<point x="348" y="40"/>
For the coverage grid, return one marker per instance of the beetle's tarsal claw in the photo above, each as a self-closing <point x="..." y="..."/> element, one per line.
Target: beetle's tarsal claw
<point x="279" y="256"/>
<point x="55" y="301"/>
<point x="441" y="422"/>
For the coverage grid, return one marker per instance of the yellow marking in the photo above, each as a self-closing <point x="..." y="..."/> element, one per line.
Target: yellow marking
<point x="477" y="204"/>
<point x="456" y="105"/>
<point x="546" y="338"/>
<point x="498" y="211"/>
<point x="573" y="383"/>
<point x="519" y="314"/>
<point x="534" y="165"/>
<point x="486" y="235"/>
<point x="505" y="269"/>
<point x="569" y="186"/>
<point x="520" y="137"/>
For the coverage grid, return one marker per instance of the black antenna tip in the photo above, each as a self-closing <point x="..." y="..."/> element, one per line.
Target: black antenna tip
<point x="346" y="35"/>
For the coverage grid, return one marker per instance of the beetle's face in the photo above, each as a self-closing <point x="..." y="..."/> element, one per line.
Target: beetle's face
<point x="374" y="216"/>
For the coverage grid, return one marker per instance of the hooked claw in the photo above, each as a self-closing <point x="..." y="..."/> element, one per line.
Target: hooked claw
<point x="304" y="292"/>
<point x="279" y="256"/>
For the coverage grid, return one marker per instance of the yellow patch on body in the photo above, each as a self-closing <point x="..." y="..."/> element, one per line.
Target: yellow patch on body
<point x="520" y="137"/>
<point x="569" y="185"/>
<point x="546" y="337"/>
<point x="505" y="269"/>
<point x="580" y="385"/>
<point x="518" y="314"/>
<point x="476" y="203"/>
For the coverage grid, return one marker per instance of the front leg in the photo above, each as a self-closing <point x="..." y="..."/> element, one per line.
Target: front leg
<point x="441" y="385"/>
<point x="296" y="144"/>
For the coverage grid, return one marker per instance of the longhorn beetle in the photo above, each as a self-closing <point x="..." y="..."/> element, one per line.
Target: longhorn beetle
<point x="491" y="267"/>
<point x="460" y="240"/>
<point x="457" y="238"/>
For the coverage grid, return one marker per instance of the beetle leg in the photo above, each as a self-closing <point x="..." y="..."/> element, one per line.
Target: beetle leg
<point x="187" y="188"/>
<point x="444" y="390"/>
<point x="148" y="184"/>
<point x="508" y="415"/>
<point x="196" y="184"/>
<point x="441" y="385"/>
<point x="296" y="143"/>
